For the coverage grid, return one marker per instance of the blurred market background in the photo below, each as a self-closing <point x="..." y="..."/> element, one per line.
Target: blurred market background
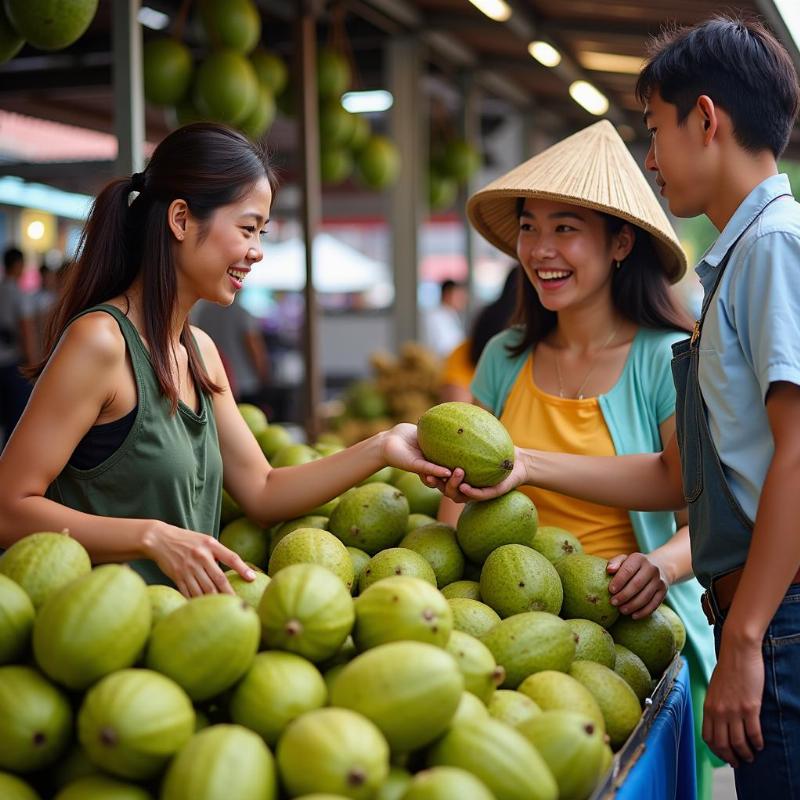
<point x="382" y="117"/>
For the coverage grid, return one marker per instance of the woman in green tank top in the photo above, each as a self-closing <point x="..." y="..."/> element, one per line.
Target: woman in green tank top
<point x="122" y="354"/>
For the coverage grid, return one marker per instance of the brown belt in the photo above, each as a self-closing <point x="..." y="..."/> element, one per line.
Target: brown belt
<point x="723" y="590"/>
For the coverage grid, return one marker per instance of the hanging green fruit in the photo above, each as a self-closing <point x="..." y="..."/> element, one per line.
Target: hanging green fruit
<point x="186" y="113"/>
<point x="231" y="24"/>
<point x="361" y="132"/>
<point x="10" y="41"/>
<point x="335" y="164"/>
<point x="167" y="68"/>
<point x="442" y="191"/>
<point x="287" y="100"/>
<point x="335" y="124"/>
<point x="226" y="87"/>
<point x="262" y="115"/>
<point x="378" y="162"/>
<point x="460" y="160"/>
<point x="333" y="73"/>
<point x="51" y="24"/>
<point x="270" y="70"/>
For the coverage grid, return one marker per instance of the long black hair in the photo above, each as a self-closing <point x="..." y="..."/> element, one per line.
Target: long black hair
<point x="494" y="317"/>
<point x="639" y="290"/>
<point x="208" y="166"/>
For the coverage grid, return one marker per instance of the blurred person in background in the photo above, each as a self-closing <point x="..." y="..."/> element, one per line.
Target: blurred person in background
<point x="17" y="343"/>
<point x="43" y="300"/>
<point x="443" y="326"/>
<point x="241" y="346"/>
<point x="459" y="367"/>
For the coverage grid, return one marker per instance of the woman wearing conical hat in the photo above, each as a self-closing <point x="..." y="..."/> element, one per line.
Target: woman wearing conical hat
<point x="586" y="367"/>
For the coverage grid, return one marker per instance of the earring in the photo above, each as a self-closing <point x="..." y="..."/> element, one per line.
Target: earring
<point x="618" y="265"/>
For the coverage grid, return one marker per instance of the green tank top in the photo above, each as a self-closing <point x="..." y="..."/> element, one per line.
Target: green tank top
<point x="168" y="467"/>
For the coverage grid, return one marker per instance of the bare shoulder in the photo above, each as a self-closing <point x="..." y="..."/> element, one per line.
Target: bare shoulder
<point x="95" y="336"/>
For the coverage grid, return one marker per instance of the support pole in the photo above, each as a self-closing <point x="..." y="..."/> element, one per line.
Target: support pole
<point x="471" y="132"/>
<point x="408" y="122"/>
<point x="128" y="86"/>
<point x="311" y="205"/>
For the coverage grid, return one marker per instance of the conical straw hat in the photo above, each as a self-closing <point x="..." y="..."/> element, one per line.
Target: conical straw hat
<point x="592" y="168"/>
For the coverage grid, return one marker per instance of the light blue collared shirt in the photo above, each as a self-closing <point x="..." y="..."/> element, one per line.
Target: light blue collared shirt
<point x="751" y="337"/>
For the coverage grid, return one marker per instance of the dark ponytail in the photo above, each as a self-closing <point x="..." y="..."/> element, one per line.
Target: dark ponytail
<point x="208" y="166"/>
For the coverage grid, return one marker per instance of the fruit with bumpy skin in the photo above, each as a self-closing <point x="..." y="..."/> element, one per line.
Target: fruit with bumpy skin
<point x="16" y="620"/>
<point x="593" y="642"/>
<point x="313" y="546"/>
<point x="651" y="638"/>
<point x="163" y="600"/>
<point x="516" y="578"/>
<point x="231" y="23"/>
<point x="620" y="706"/>
<point x="206" y="645"/>
<point x="333" y="750"/>
<point x="401" y="608"/>
<point x="132" y="722"/>
<point x="678" y="627"/>
<point x="484" y="526"/>
<point x="333" y="73"/>
<point x="470" y="709"/>
<point x="572" y="747"/>
<point x="248" y="540"/>
<point x="306" y="610"/>
<point x="10" y="41"/>
<point x="444" y="783"/>
<point x="285" y="528"/>
<point x="277" y="689"/>
<point x="371" y="517"/>
<point x="270" y="70"/>
<point x="273" y="439"/>
<point x="262" y="115"/>
<point x="500" y="757"/>
<point x="481" y="673"/>
<point x="167" y="73"/>
<point x="512" y="707"/>
<point x="585" y="580"/>
<point x="554" y="543"/>
<point x="378" y="162"/>
<point x="395" y="785"/>
<point x="51" y="24"/>
<point x="553" y="691"/>
<point x="35" y="720"/>
<point x="12" y="787"/>
<point x="225" y="87"/>
<point x="417" y="521"/>
<point x="422" y="499"/>
<point x="395" y="561"/>
<point x="471" y="590"/>
<point x="632" y="669"/>
<point x="360" y="560"/>
<point x="229" y="511"/>
<point x="472" y="616"/>
<point x="295" y="454"/>
<point x="249" y="591"/>
<point x="530" y="642"/>
<point x="221" y="761"/>
<point x="409" y="690"/>
<point x="467" y="436"/>
<point x="437" y="544"/>
<point x="102" y="787"/>
<point x="43" y="563"/>
<point x="97" y="624"/>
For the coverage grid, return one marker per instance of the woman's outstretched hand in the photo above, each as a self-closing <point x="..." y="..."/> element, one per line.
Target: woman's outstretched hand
<point x="190" y="560"/>
<point x="401" y="450"/>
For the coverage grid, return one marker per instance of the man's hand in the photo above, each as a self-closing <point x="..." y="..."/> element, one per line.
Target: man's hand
<point x="731" y="724"/>
<point x="639" y="585"/>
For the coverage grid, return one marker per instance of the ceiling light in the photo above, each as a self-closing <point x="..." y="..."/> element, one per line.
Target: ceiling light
<point x="150" y="18"/>
<point x="545" y="53"/>
<point x="367" y="102"/>
<point x="789" y="11"/>
<point x="611" y="62"/>
<point x="586" y="95"/>
<point x="497" y="10"/>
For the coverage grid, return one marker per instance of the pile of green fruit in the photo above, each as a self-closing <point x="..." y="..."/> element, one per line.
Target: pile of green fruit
<point x="379" y="655"/>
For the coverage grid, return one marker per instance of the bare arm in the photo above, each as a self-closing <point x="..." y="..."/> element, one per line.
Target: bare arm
<point x="269" y="495"/>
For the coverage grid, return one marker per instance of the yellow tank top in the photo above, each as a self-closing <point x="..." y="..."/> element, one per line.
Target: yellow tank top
<point x="457" y="368"/>
<point x="542" y="421"/>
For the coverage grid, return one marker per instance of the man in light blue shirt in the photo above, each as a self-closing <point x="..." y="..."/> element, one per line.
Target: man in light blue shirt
<point x="720" y="103"/>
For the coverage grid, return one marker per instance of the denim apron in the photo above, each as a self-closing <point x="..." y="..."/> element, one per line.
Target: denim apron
<point x="712" y="506"/>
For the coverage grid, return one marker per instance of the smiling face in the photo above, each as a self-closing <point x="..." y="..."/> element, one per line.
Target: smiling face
<point x="678" y="155"/>
<point x="567" y="253"/>
<point x="213" y="259"/>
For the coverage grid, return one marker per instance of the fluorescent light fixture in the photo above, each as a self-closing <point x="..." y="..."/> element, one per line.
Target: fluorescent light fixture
<point x="586" y="95"/>
<point x="498" y="10"/>
<point x="789" y="11"/>
<point x="367" y="102"/>
<point x="545" y="53"/>
<point x="16" y="192"/>
<point x="150" y="18"/>
<point x="610" y="62"/>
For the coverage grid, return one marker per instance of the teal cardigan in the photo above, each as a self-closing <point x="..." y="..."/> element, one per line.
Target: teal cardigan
<point x="642" y="398"/>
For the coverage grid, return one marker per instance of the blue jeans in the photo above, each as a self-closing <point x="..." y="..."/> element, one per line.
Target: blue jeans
<point x="775" y="771"/>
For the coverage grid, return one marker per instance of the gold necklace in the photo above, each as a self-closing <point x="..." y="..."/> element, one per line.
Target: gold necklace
<point x="579" y="393"/>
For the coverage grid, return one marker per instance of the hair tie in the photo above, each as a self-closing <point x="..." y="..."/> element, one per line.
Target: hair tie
<point x="137" y="182"/>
